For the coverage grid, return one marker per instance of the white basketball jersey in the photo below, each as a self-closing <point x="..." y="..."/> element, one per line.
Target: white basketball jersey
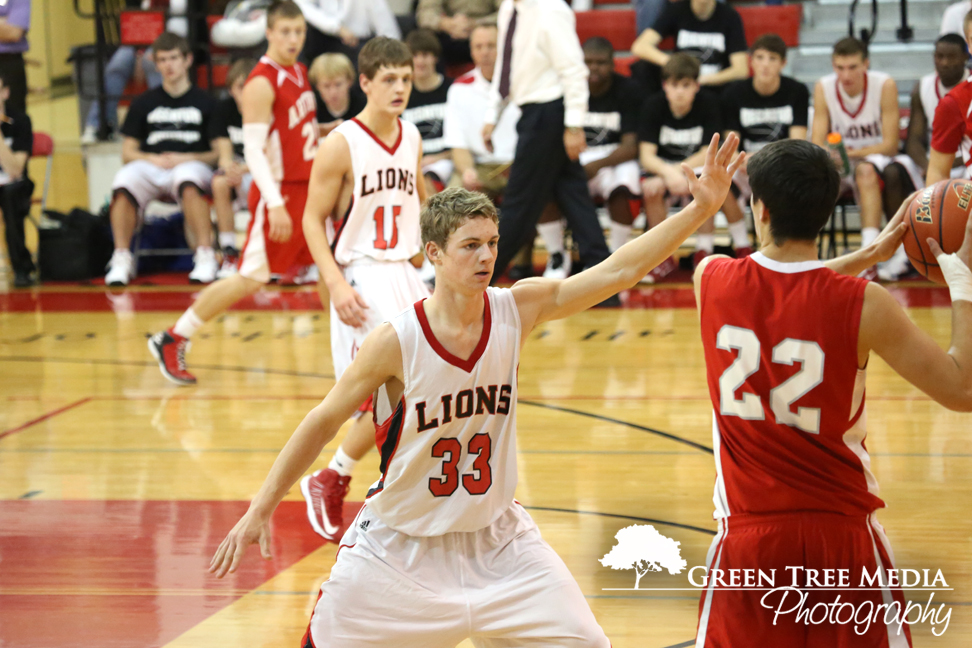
<point x="931" y="91"/>
<point x="448" y="450"/>
<point x="857" y="119"/>
<point x="382" y="222"/>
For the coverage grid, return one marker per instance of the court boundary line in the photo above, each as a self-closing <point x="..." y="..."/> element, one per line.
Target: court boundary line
<point x="44" y="417"/>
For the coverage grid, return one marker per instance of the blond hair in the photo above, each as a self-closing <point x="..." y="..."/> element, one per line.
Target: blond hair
<point x="448" y="210"/>
<point x="330" y="66"/>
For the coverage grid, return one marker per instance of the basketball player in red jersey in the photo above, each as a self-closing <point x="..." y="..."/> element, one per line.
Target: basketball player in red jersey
<point x="441" y="552"/>
<point x="279" y="143"/>
<point x="953" y="127"/>
<point x="787" y="340"/>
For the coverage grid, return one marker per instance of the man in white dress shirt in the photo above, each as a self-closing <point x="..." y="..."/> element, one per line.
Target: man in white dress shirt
<point x="478" y="168"/>
<point x="541" y="69"/>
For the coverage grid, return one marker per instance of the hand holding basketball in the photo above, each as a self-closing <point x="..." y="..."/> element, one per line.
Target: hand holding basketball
<point x="721" y="163"/>
<point x="249" y="530"/>
<point x="886" y="244"/>
<point x="964" y="253"/>
<point x="941" y="213"/>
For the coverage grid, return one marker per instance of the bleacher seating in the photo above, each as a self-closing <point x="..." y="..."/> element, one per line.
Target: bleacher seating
<point x="778" y="19"/>
<point x="616" y="26"/>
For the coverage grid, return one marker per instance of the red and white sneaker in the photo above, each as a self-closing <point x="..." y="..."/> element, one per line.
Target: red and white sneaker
<point x="660" y="271"/>
<point x="324" y="492"/>
<point x="170" y="350"/>
<point x="743" y="252"/>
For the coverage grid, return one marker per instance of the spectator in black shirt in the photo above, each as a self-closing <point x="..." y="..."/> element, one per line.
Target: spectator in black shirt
<point x="231" y="183"/>
<point x="427" y="107"/>
<point x="710" y="31"/>
<point x="16" y="145"/>
<point x="338" y="96"/>
<point x="674" y="130"/>
<point x="766" y="108"/>
<point x="168" y="154"/>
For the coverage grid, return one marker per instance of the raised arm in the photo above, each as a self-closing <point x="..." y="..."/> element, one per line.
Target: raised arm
<point x="882" y="249"/>
<point x="540" y="300"/>
<point x="378" y="361"/>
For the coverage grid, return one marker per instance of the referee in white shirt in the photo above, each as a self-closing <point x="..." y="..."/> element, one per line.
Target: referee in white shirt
<point x="541" y="68"/>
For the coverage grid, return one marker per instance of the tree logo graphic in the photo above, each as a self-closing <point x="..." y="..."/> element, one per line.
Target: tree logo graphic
<point x="641" y="548"/>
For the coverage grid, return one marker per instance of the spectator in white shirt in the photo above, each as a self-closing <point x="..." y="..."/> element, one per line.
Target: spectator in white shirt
<point x="344" y="26"/>
<point x="478" y="168"/>
<point x="541" y="69"/>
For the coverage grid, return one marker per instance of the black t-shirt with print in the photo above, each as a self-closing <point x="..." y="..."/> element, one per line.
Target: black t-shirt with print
<point x="166" y="124"/>
<point x="711" y="41"/>
<point x="356" y="103"/>
<point x="761" y="120"/>
<point x="676" y="138"/>
<point x="427" y="111"/>
<point x="612" y="114"/>
<point x="18" y="134"/>
<point x="228" y="122"/>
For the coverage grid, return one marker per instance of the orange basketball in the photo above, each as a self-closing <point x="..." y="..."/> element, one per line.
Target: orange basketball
<point x="940" y="212"/>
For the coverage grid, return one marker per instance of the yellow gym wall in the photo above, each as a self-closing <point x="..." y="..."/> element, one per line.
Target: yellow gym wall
<point x="55" y="28"/>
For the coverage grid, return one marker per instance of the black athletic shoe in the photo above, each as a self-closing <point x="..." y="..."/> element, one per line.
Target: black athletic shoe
<point x="22" y="279"/>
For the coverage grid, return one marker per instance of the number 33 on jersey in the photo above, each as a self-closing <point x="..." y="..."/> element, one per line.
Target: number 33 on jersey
<point x="780" y="344"/>
<point x="382" y="222"/>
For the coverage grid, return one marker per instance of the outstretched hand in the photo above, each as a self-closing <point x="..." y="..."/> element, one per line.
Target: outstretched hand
<point x="887" y="243"/>
<point x="247" y="531"/>
<point x="721" y="163"/>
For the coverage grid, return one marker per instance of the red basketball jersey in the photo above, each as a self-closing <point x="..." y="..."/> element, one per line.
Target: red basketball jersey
<point x="780" y="345"/>
<point x="292" y="141"/>
<point x="953" y="123"/>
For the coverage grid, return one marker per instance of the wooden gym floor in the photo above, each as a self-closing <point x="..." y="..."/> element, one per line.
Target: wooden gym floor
<point x="116" y="487"/>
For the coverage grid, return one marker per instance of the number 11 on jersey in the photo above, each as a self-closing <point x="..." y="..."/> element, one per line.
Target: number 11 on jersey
<point x="381" y="241"/>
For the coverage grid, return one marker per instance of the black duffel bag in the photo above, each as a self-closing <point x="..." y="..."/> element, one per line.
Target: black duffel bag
<point x="79" y="249"/>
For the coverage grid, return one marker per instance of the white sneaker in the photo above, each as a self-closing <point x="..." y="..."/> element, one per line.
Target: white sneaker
<point x="121" y="268"/>
<point x="90" y="135"/>
<point x="895" y="267"/>
<point x="204" y="266"/>
<point x="558" y="266"/>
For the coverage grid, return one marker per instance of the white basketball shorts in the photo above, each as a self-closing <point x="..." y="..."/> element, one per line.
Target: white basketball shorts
<point x="388" y="287"/>
<point x="627" y="174"/>
<point x="501" y="586"/>
<point x="146" y="182"/>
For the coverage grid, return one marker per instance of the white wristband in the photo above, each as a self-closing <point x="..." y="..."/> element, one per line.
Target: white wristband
<point x="254" y="139"/>
<point x="957" y="276"/>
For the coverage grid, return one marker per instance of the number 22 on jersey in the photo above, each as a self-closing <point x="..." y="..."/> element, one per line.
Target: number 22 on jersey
<point x="782" y="397"/>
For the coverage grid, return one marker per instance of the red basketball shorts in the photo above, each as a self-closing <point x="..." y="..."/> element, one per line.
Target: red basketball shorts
<point x="830" y="609"/>
<point x="262" y="257"/>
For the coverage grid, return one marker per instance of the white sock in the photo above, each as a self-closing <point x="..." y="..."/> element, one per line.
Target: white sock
<point x="705" y="242"/>
<point x="227" y="240"/>
<point x="552" y="235"/>
<point x="619" y="235"/>
<point x="868" y="235"/>
<point x="739" y="234"/>
<point x="188" y="324"/>
<point x="342" y="463"/>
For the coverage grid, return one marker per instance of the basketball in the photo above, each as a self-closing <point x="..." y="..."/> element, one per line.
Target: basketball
<point x="939" y="212"/>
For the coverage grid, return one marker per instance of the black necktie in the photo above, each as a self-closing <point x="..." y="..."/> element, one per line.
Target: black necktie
<point x="507" y="55"/>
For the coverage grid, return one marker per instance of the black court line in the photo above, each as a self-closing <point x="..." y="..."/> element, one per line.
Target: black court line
<point x="635" y="518"/>
<point x="608" y="419"/>
<point x="132" y="363"/>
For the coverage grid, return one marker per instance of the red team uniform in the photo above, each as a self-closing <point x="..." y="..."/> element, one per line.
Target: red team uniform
<point x="793" y="481"/>
<point x="953" y="124"/>
<point x="291" y="145"/>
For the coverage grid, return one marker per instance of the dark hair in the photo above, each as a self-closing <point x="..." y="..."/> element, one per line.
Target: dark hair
<point x="424" y="41"/>
<point x="599" y="45"/>
<point x="680" y="66"/>
<point x="952" y="39"/>
<point x="167" y="41"/>
<point x="799" y="184"/>
<point x="380" y="52"/>
<point x="282" y="9"/>
<point x="772" y="43"/>
<point x="239" y="70"/>
<point x="849" y="46"/>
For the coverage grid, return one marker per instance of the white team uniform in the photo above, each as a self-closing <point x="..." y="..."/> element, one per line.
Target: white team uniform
<point x="380" y="233"/>
<point x="627" y="174"/>
<point x="931" y="91"/>
<point x="441" y="552"/>
<point x="858" y="120"/>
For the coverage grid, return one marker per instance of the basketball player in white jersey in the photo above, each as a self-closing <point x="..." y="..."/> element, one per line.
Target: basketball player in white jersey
<point x="367" y="175"/>
<point x="441" y="551"/>
<point x="862" y="106"/>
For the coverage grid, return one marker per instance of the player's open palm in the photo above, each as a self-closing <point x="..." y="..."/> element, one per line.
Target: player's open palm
<point x="349" y="305"/>
<point x="249" y="530"/>
<point x="721" y="163"/>
<point x="887" y="243"/>
<point x="280" y="226"/>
